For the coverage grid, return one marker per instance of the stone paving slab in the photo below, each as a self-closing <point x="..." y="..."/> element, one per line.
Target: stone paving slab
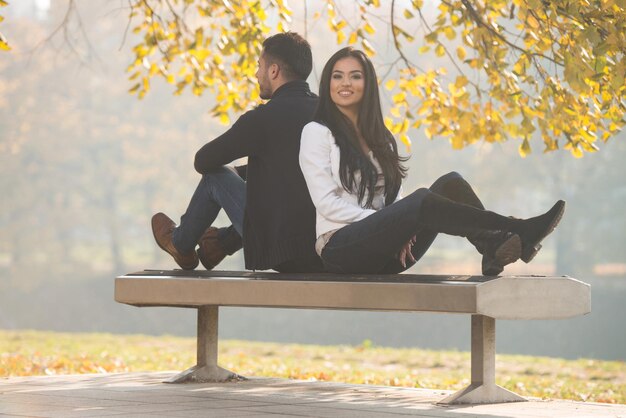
<point x="144" y="395"/>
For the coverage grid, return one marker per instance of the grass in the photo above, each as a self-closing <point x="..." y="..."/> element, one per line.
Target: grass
<point x="47" y="353"/>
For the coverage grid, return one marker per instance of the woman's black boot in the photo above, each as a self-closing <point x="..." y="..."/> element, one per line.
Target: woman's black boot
<point x="486" y="230"/>
<point x="498" y="249"/>
<point x="443" y="215"/>
<point x="533" y="230"/>
<point x="457" y="189"/>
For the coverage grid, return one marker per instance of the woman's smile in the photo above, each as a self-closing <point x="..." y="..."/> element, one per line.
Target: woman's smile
<point x="347" y="84"/>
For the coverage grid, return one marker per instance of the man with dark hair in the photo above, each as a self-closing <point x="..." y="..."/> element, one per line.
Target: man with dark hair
<point x="271" y="210"/>
<point x="292" y="52"/>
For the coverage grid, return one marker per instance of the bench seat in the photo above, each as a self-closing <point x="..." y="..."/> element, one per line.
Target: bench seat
<point x="484" y="298"/>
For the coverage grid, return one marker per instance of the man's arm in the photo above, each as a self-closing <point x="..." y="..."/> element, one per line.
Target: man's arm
<point x="239" y="141"/>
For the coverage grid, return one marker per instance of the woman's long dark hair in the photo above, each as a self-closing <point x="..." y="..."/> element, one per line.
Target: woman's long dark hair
<point x="372" y="128"/>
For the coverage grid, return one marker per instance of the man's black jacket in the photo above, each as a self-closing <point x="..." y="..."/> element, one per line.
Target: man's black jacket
<point x="279" y="220"/>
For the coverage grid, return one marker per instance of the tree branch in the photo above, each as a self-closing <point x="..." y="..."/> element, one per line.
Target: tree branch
<point x="423" y="19"/>
<point x="64" y="27"/>
<point x="396" y="42"/>
<point x="130" y="4"/>
<point x="478" y="20"/>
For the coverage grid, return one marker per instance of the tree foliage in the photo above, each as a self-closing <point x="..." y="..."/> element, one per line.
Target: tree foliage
<point x="4" y="45"/>
<point x="529" y="70"/>
<point x="552" y="71"/>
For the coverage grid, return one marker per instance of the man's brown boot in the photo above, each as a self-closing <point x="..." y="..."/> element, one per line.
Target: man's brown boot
<point x="162" y="228"/>
<point x="210" y="252"/>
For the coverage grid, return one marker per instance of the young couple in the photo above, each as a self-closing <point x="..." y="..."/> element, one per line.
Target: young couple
<point x="321" y="191"/>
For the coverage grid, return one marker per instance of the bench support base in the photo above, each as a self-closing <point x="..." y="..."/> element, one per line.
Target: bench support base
<point x="483" y="388"/>
<point x="206" y="369"/>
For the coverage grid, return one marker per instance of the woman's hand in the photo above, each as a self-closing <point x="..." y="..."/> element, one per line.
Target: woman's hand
<point x="405" y="253"/>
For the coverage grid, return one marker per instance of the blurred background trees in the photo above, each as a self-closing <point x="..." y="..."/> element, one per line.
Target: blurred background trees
<point x="84" y="165"/>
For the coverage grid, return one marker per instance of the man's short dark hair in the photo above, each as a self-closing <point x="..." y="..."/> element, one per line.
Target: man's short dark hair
<point x="292" y="52"/>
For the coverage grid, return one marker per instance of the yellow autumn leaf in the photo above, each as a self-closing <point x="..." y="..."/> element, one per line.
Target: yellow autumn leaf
<point x="153" y="69"/>
<point x="369" y="50"/>
<point x="460" y="52"/>
<point x="532" y="21"/>
<point x="399" y="97"/>
<point x="369" y="28"/>
<point x="406" y="140"/>
<point x="577" y="152"/>
<point x="197" y="90"/>
<point x="524" y="148"/>
<point x="330" y="9"/>
<point x="341" y="37"/>
<point x="352" y="39"/>
<point x="428" y="133"/>
<point x="461" y="81"/>
<point x="390" y="84"/>
<point x="281" y="27"/>
<point x="449" y="32"/>
<point x="199" y="54"/>
<point x="457" y="142"/>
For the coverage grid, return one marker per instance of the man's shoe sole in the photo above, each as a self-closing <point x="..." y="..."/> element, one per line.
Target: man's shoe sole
<point x="164" y="249"/>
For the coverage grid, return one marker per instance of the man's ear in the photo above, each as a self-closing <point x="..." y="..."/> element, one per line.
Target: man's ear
<point x="274" y="71"/>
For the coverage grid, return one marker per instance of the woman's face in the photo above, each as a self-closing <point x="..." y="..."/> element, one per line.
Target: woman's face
<point x="347" y="83"/>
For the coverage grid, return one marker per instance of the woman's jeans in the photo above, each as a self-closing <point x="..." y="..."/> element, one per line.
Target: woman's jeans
<point x="371" y="245"/>
<point x="219" y="189"/>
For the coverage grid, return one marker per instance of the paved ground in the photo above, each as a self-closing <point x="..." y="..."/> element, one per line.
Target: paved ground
<point x="143" y="395"/>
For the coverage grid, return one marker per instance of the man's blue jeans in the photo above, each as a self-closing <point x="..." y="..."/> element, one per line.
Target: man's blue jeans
<point x="219" y="189"/>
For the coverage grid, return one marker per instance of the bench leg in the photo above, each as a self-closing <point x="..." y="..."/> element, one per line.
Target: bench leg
<point x="483" y="388"/>
<point x="206" y="369"/>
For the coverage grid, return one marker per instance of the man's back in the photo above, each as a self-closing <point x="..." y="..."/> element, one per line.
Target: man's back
<point x="272" y="212"/>
<point x="279" y="221"/>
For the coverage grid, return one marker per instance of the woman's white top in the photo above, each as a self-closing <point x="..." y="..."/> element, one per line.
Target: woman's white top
<point x="335" y="207"/>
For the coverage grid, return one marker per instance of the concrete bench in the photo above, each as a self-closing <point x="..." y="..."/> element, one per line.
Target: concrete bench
<point x="484" y="298"/>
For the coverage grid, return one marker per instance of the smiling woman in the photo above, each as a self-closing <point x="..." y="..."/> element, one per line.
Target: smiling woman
<point x="353" y="172"/>
<point x="346" y="87"/>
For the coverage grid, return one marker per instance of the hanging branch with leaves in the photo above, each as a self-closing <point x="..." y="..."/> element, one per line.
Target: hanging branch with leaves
<point x="4" y="44"/>
<point x="532" y="71"/>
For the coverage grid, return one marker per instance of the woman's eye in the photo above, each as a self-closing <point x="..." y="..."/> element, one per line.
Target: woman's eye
<point x="357" y="77"/>
<point x="337" y="76"/>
